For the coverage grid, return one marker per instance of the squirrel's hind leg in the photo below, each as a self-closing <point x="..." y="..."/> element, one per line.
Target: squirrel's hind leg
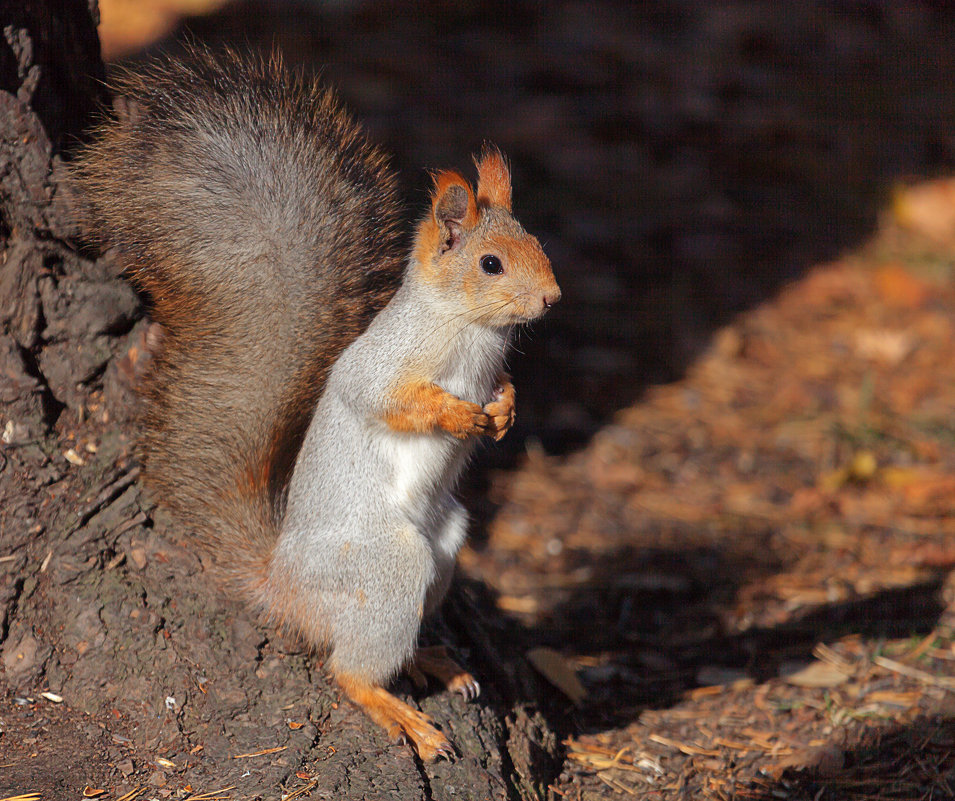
<point x="434" y="661"/>
<point x="450" y="530"/>
<point x="396" y="717"/>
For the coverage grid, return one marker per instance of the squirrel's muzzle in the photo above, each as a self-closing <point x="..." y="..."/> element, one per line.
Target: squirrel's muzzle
<point x="551" y="297"/>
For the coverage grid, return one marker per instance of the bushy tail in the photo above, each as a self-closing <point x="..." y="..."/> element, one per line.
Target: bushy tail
<point x="263" y="227"/>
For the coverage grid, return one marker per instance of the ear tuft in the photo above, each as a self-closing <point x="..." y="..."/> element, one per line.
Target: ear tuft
<point x="453" y="206"/>
<point x="494" y="178"/>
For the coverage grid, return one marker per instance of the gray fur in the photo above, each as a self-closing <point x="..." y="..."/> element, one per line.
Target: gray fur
<point x="366" y="499"/>
<point x="264" y="227"/>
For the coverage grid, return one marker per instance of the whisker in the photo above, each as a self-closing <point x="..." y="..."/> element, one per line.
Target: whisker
<point x="498" y="305"/>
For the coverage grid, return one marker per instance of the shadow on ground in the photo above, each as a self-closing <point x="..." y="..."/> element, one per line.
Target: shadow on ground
<point x="904" y="762"/>
<point x="679" y="161"/>
<point x="662" y="643"/>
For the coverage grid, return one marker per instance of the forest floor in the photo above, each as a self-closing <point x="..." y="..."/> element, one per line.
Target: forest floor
<point x="744" y="569"/>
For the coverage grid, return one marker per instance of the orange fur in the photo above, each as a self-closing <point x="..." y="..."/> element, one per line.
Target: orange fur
<point x="494" y="179"/>
<point x="431" y="231"/>
<point x="500" y="412"/>
<point x="447" y="178"/>
<point x="427" y="243"/>
<point x="472" y="286"/>
<point x="396" y="717"/>
<point x="538" y="277"/>
<point x="527" y="252"/>
<point x="421" y="406"/>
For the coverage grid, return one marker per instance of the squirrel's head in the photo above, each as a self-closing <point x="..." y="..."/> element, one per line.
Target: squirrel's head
<point x="470" y="247"/>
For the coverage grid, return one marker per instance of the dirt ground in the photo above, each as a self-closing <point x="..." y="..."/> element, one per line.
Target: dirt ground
<point x="745" y="569"/>
<point x="713" y="559"/>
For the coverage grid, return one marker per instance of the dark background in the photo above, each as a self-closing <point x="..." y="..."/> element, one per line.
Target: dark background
<point x="679" y="160"/>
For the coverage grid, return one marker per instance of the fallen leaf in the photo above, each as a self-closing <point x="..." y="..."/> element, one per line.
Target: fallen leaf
<point x="826" y="761"/>
<point x="815" y="674"/>
<point x="863" y="465"/>
<point x="559" y="672"/>
<point x="524" y="604"/>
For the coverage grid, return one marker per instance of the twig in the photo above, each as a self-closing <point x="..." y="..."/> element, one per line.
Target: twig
<point x="301" y="790"/>
<point x="262" y="753"/>
<point x="213" y="795"/>
<point x="613" y="783"/>
<point x="135" y="520"/>
<point x="686" y="748"/>
<point x="945" y="682"/>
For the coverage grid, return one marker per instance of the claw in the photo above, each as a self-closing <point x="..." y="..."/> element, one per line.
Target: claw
<point x="466" y="686"/>
<point x="500" y="409"/>
<point x="435" y="662"/>
<point x="446" y="752"/>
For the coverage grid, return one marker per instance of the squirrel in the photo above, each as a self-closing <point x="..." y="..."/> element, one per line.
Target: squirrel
<point x="313" y="393"/>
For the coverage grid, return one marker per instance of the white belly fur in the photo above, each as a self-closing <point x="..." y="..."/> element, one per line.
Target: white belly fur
<point x="423" y="465"/>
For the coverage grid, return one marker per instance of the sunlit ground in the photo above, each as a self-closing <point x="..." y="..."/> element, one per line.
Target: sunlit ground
<point x="127" y="26"/>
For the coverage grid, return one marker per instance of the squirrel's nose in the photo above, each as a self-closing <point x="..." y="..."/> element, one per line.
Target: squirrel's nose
<point x="551" y="297"/>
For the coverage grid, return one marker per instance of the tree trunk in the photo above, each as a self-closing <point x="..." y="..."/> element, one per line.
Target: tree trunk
<point x="101" y="604"/>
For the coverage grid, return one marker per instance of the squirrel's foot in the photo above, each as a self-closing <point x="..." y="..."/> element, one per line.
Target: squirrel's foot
<point x="434" y="661"/>
<point x="500" y="411"/>
<point x="397" y="718"/>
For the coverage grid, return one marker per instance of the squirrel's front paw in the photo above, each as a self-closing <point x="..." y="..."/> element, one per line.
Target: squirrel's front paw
<point x="500" y="411"/>
<point x="463" y="419"/>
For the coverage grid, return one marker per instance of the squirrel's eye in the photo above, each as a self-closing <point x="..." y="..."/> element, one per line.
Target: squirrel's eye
<point x="492" y="265"/>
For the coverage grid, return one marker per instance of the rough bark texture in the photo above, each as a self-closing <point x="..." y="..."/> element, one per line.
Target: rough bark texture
<point x="163" y="682"/>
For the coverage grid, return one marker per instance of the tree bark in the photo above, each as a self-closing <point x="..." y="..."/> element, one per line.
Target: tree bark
<point x="101" y="603"/>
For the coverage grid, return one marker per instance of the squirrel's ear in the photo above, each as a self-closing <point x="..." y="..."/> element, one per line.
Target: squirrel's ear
<point x="453" y="207"/>
<point x="494" y="179"/>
